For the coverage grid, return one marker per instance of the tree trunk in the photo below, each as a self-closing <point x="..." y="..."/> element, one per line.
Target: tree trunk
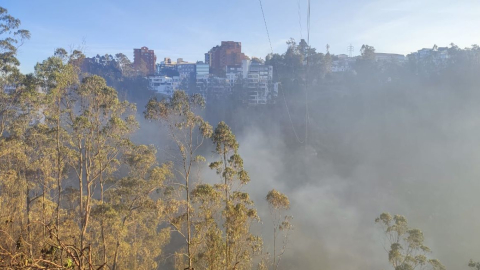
<point x="59" y="169"/>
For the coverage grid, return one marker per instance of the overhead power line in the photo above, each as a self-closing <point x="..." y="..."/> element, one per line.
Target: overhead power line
<point x="266" y="27"/>
<point x="300" y="18"/>
<point x="290" y="118"/>
<point x="284" y="99"/>
<point x="306" y="75"/>
<point x="308" y="24"/>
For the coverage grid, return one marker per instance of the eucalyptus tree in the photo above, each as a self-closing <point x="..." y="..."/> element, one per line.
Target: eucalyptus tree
<point x="26" y="188"/>
<point x="407" y="249"/>
<point x="11" y="37"/>
<point x="238" y="214"/>
<point x="278" y="203"/>
<point x="26" y="168"/>
<point x="132" y="212"/>
<point x="124" y="64"/>
<point x="22" y="182"/>
<point x="100" y="126"/>
<point x="16" y="103"/>
<point x="188" y="130"/>
<point x="57" y="78"/>
<point x="209" y="201"/>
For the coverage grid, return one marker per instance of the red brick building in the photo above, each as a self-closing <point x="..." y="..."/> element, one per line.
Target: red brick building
<point x="227" y="54"/>
<point x="146" y="56"/>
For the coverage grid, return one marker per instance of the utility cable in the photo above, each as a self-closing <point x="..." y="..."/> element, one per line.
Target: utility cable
<point x="308" y="24"/>
<point x="266" y="27"/>
<point x="300" y="18"/>
<point x="290" y="118"/>
<point x="306" y="76"/>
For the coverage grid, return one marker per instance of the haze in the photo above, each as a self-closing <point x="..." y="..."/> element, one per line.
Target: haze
<point x="378" y="113"/>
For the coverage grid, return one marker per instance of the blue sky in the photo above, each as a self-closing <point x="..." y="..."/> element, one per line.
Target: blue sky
<point x="189" y="28"/>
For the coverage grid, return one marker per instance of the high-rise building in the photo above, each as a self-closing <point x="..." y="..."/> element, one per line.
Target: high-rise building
<point x="144" y="57"/>
<point x="167" y="68"/>
<point x="186" y="70"/>
<point x="257" y="80"/>
<point x="227" y="54"/>
<point x="202" y="71"/>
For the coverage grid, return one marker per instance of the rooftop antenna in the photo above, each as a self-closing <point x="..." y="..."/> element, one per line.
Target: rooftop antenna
<point x="350" y="49"/>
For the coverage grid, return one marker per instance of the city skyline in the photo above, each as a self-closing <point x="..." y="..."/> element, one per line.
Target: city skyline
<point x="189" y="29"/>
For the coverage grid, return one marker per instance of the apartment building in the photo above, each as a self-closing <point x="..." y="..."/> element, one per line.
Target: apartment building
<point x="144" y="58"/>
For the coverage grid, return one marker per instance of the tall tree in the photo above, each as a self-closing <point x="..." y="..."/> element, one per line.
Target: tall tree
<point x="188" y="131"/>
<point x="407" y="250"/>
<point x="100" y="126"/>
<point x="124" y="64"/>
<point x="24" y="179"/>
<point x="57" y="77"/>
<point x="11" y="37"/>
<point x="132" y="212"/>
<point x="240" y="244"/>
<point x="208" y="201"/>
<point x="19" y="183"/>
<point x="278" y="203"/>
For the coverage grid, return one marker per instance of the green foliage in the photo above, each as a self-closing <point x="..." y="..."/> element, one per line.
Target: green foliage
<point x="282" y="224"/>
<point x="132" y="213"/>
<point x="238" y="213"/>
<point x="188" y="131"/>
<point x="77" y="193"/>
<point x="76" y="131"/>
<point x="11" y="37"/>
<point x="407" y="250"/>
<point x="367" y="52"/>
<point x="300" y="66"/>
<point x="278" y="200"/>
<point x="226" y="146"/>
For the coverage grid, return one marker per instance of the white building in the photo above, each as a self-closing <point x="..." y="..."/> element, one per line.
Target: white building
<point x="423" y="53"/>
<point x="164" y="85"/>
<point x="236" y="72"/>
<point x="246" y="68"/>
<point x="186" y="70"/>
<point x="390" y="57"/>
<point x="340" y="66"/>
<point x="438" y="55"/>
<point x="343" y="63"/>
<point x="260" y="84"/>
<point x="257" y="80"/>
<point x="202" y="71"/>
